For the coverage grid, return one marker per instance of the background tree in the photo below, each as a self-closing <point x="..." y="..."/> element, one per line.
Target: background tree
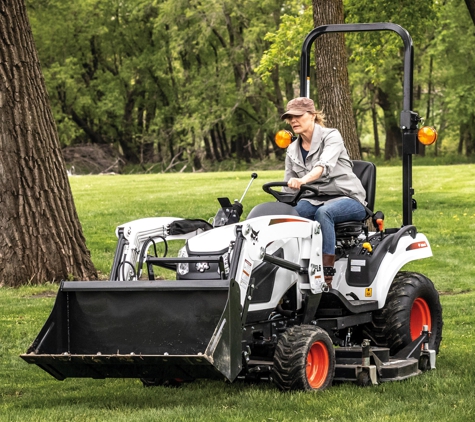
<point x="171" y="80"/>
<point x="333" y="85"/>
<point x="376" y="63"/>
<point x="183" y="84"/>
<point x="40" y="235"/>
<point x="454" y="63"/>
<point x="471" y="8"/>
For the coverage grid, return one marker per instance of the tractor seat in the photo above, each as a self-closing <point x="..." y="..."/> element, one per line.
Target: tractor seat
<point x="366" y="172"/>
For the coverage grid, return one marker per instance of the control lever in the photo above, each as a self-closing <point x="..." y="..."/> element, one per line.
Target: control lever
<point x="253" y="176"/>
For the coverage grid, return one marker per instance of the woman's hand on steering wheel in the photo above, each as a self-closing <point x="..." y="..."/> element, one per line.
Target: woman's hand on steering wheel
<point x="295" y="183"/>
<point x="305" y="191"/>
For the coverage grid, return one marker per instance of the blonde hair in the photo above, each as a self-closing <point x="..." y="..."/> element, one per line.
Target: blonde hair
<point x="319" y="118"/>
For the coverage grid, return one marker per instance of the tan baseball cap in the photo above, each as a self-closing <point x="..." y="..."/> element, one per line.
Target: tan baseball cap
<point x="298" y="107"/>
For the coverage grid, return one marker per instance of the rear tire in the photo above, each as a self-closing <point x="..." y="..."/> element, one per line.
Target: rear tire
<point x="304" y="359"/>
<point x="412" y="302"/>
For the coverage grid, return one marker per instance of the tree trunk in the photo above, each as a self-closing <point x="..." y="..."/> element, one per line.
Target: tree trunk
<point x="208" y="151"/>
<point x="332" y="74"/>
<point x="462" y="135"/>
<point x="40" y="234"/>
<point x="94" y="137"/>
<point x="126" y="132"/>
<point x="471" y="8"/>
<point x="374" y="117"/>
<point x="422" y="148"/>
<point x="224" y="142"/>
<point x="467" y="137"/>
<point x="391" y="127"/>
<point x="277" y="97"/>
<point x="217" y="151"/>
<point x="219" y="141"/>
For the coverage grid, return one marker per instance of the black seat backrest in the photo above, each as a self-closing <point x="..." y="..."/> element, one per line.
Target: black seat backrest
<point x="366" y="172"/>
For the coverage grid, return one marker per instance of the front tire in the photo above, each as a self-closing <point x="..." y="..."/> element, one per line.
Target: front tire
<point x="412" y="302"/>
<point x="304" y="359"/>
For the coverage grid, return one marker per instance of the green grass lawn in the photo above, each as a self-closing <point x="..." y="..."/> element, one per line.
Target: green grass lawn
<point x="446" y="214"/>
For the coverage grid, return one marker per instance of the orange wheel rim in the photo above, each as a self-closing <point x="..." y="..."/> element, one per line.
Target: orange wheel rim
<point x="420" y="315"/>
<point x="317" y="364"/>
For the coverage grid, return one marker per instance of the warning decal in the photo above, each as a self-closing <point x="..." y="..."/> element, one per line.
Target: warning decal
<point x="246" y="272"/>
<point x="416" y="245"/>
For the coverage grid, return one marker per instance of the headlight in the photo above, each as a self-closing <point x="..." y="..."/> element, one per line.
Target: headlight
<point x="183" y="268"/>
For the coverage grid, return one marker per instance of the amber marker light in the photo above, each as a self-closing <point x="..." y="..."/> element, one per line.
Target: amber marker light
<point x="283" y="138"/>
<point x="427" y="135"/>
<point x="368" y="247"/>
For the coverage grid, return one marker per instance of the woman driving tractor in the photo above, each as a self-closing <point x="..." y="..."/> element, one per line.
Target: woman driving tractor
<point x="319" y="157"/>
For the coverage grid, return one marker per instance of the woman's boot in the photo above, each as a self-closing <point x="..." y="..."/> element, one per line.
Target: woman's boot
<point x="328" y="270"/>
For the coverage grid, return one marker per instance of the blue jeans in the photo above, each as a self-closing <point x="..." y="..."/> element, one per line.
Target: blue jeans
<point x="329" y="214"/>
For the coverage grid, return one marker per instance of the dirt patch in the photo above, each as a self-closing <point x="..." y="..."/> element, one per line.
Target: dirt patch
<point x="92" y="159"/>
<point x="452" y="293"/>
<point x="43" y="294"/>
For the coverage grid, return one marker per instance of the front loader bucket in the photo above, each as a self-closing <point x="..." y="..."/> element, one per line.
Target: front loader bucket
<point x="142" y="329"/>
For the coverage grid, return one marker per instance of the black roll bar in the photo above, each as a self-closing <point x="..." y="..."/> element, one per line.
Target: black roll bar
<point x="409" y="119"/>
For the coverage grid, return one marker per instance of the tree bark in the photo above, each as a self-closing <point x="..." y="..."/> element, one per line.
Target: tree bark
<point x="471" y="8"/>
<point x="467" y="137"/>
<point x="214" y="142"/>
<point x="222" y="136"/>
<point x="332" y="75"/>
<point x="209" y="154"/>
<point x="470" y="139"/>
<point x="391" y="127"/>
<point x="41" y="238"/>
<point x="374" y="118"/>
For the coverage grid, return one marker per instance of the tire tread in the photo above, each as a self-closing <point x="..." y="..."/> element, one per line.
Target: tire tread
<point x="290" y="357"/>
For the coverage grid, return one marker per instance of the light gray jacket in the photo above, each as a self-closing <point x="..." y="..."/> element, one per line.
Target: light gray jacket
<point x="328" y="151"/>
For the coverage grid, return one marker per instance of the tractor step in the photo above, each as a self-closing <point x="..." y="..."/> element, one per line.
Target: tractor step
<point x="353" y="355"/>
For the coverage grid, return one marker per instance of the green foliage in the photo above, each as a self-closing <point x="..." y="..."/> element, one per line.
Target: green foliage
<point x="286" y="42"/>
<point x="161" y="78"/>
<point x="416" y="17"/>
<point x="376" y="62"/>
<point x="189" y="82"/>
<point x="377" y="55"/>
<point x="454" y="64"/>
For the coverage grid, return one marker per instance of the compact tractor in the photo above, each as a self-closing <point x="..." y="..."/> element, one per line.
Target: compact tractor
<point x="249" y="298"/>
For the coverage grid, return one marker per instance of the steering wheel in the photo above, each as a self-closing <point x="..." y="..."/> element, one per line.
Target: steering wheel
<point x="305" y="191"/>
